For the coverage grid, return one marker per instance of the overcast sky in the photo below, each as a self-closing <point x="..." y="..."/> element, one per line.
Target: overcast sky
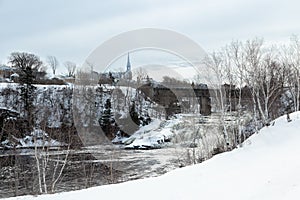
<point x="71" y="29"/>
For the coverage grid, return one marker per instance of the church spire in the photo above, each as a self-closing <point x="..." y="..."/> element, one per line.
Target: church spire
<point x="128" y="69"/>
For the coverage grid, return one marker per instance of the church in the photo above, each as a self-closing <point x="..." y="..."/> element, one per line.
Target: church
<point x="114" y="77"/>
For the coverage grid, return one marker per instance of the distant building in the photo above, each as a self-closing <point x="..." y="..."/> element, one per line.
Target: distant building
<point x="14" y="77"/>
<point x="6" y="72"/>
<point x="39" y="75"/>
<point x="113" y="77"/>
<point x="95" y="76"/>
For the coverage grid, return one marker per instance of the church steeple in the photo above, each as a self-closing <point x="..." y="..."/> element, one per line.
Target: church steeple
<point x="128" y="69"/>
<point x="128" y="73"/>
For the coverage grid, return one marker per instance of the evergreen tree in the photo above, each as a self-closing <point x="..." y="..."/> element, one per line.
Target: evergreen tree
<point x="106" y="119"/>
<point x="98" y="102"/>
<point x="134" y="115"/>
<point x="26" y="64"/>
<point x="111" y="78"/>
<point x="66" y="108"/>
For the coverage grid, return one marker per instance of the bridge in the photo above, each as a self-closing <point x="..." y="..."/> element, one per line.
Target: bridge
<point x="179" y="98"/>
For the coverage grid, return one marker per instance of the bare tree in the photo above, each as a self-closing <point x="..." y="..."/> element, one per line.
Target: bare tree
<point x="253" y="53"/>
<point x="265" y="76"/>
<point x="215" y="63"/>
<point x="238" y="62"/>
<point x="291" y="63"/>
<point x="141" y="74"/>
<point x="71" y="67"/>
<point x="57" y="176"/>
<point x="53" y="63"/>
<point x="93" y="75"/>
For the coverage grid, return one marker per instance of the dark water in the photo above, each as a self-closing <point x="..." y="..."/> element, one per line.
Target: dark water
<point x="84" y="168"/>
<point x="19" y="174"/>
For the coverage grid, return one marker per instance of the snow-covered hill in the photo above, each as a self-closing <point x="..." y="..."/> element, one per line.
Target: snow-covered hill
<point x="266" y="167"/>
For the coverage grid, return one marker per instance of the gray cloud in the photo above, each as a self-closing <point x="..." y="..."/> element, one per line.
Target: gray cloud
<point x="71" y="29"/>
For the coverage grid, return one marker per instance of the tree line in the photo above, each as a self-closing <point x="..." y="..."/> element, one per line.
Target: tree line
<point x="261" y="79"/>
<point x="19" y="60"/>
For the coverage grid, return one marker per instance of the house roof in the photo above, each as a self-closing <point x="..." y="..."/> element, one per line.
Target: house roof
<point x="6" y="68"/>
<point x="14" y="75"/>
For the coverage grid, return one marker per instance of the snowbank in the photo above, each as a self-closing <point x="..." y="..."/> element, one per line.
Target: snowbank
<point x="266" y="167"/>
<point x="37" y="138"/>
<point x="153" y="135"/>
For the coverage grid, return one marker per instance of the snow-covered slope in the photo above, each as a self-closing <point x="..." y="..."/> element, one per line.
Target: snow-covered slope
<point x="266" y="167"/>
<point x="152" y="135"/>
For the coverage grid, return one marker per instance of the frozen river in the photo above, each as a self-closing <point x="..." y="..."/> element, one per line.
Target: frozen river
<point x="86" y="167"/>
<point x="195" y="140"/>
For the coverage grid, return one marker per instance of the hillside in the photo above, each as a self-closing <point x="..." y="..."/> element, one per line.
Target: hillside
<point x="266" y="167"/>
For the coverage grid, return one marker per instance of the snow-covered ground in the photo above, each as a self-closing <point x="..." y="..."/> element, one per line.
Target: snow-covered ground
<point x="152" y="135"/>
<point x="266" y="167"/>
<point x="37" y="138"/>
<point x="184" y="130"/>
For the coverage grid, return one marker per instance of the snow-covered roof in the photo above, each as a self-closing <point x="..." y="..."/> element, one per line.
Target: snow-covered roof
<point x="9" y="110"/>
<point x="14" y="75"/>
<point x="6" y="68"/>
